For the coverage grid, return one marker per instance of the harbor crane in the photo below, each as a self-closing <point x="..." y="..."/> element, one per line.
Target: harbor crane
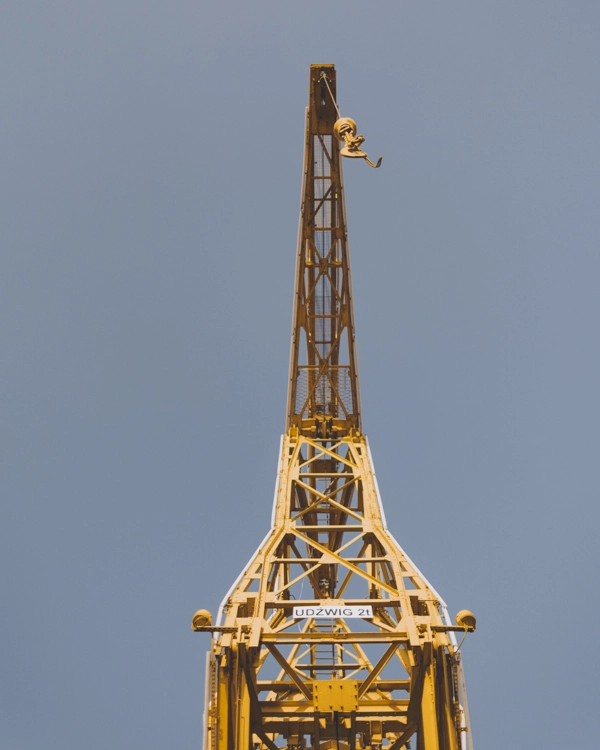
<point x="331" y="637"/>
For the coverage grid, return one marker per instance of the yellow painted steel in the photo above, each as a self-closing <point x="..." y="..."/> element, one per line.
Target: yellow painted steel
<point x="330" y="637"/>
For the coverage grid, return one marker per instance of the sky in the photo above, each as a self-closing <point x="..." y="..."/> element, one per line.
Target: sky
<point x="150" y="166"/>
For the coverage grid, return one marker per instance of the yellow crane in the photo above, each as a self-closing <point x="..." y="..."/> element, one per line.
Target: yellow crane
<point x="331" y="637"/>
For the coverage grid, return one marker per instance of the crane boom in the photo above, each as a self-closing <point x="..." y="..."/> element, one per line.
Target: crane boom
<point x="323" y="393"/>
<point x="331" y="637"/>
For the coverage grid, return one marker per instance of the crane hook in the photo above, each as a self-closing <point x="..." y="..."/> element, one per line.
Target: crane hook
<point x="345" y="131"/>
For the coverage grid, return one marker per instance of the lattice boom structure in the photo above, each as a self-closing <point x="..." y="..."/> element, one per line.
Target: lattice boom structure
<point x="330" y="637"/>
<point x="323" y="395"/>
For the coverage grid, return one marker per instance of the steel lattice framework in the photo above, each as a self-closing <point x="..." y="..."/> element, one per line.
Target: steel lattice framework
<point x="323" y="395"/>
<point x="330" y="637"/>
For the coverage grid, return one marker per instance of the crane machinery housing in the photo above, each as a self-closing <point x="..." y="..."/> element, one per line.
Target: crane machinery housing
<point x="330" y="637"/>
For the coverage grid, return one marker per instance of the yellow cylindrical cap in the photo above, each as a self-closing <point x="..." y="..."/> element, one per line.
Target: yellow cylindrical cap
<point x="201" y="619"/>
<point x="466" y="619"/>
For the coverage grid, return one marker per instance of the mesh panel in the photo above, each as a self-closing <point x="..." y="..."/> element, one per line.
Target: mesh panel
<point x="326" y="400"/>
<point x="345" y="388"/>
<point x="301" y="390"/>
<point x="322" y="167"/>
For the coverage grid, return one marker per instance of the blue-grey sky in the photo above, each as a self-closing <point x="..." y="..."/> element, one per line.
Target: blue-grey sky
<point x="151" y="156"/>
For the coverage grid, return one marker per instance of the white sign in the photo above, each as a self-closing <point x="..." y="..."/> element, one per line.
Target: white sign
<point x="334" y="611"/>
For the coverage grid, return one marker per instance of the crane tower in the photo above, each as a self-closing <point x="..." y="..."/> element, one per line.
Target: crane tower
<point x="330" y="637"/>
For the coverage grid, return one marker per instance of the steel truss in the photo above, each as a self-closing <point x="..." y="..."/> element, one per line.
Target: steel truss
<point x="330" y="637"/>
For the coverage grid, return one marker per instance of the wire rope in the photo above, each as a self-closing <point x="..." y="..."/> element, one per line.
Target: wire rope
<point x="324" y="78"/>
